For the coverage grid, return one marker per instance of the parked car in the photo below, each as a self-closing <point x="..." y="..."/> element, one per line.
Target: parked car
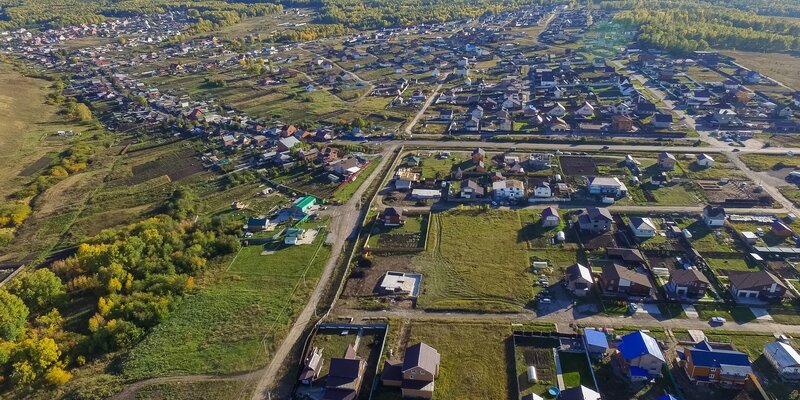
<point x="717" y="321"/>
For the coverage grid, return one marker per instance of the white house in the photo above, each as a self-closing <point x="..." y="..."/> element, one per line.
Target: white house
<point x="550" y="217"/>
<point x="510" y="189"/>
<point x="642" y="227"/>
<point x="586" y="110"/>
<point x="579" y="279"/>
<point x="557" y="111"/>
<point x="714" y="217"/>
<point x="606" y="186"/>
<point x="705" y="160"/>
<point x="542" y="190"/>
<point x="784" y="359"/>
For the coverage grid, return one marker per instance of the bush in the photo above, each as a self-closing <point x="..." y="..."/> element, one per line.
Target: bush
<point x="98" y="387"/>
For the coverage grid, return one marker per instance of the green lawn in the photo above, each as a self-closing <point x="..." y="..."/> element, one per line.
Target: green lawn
<point x="736" y="262"/>
<point x="431" y="166"/>
<point x="345" y="192"/>
<point x="738" y="314"/>
<point x="193" y="390"/>
<point x="766" y="162"/>
<point x="236" y="314"/>
<point x="415" y="225"/>
<point x="475" y="261"/>
<point x="751" y="343"/>
<point x="704" y="239"/>
<point x="575" y="370"/>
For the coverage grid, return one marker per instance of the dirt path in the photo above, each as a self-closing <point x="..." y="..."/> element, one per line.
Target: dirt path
<point x="423" y="109"/>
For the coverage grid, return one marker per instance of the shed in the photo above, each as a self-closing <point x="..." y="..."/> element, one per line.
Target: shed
<point x="596" y="341"/>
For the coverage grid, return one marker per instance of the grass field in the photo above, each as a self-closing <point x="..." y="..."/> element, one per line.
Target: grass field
<point x="748" y="342"/>
<point x="475" y="358"/>
<point x="237" y="314"/>
<point x="738" y="314"/>
<point x="475" y="261"/>
<point x="766" y="162"/>
<point x="784" y="68"/>
<point x="575" y="370"/>
<point x="214" y="390"/>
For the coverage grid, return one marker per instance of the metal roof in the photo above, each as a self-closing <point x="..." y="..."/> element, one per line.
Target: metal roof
<point x="637" y="344"/>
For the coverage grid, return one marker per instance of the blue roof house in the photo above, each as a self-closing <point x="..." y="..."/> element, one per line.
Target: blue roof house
<point x="595" y="341"/>
<point x="641" y="355"/>
<point x="667" y="397"/>
<point x="706" y="364"/>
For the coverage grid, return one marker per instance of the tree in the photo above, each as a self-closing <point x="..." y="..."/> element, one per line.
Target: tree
<point x="81" y="112"/>
<point x="39" y="290"/>
<point x="57" y="376"/>
<point x="13" y="314"/>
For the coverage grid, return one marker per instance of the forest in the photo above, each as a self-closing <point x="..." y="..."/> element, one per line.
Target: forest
<point x="681" y="28"/>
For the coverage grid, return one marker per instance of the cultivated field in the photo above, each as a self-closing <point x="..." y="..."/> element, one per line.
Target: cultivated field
<point x="784" y="68"/>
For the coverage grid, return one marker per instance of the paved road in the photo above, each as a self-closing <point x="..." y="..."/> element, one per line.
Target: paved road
<point x="421" y="112"/>
<point x="343" y="225"/>
<point x="566" y="317"/>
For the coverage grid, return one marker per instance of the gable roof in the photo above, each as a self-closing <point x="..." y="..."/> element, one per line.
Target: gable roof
<point x="745" y="280"/>
<point x="783" y="354"/>
<point x="616" y="271"/>
<point x="576" y="271"/>
<point x="423" y="356"/>
<point x="704" y="355"/>
<point x="579" y="393"/>
<point x="685" y="276"/>
<point x="637" y="344"/>
<point x="714" y="212"/>
<point x="550" y="212"/>
<point x="642" y="223"/>
<point x="627" y="255"/>
<point x="595" y="213"/>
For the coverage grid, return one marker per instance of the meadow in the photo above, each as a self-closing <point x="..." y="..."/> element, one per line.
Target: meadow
<point x="237" y="317"/>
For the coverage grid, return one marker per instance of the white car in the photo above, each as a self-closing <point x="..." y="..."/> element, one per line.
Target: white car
<point x="717" y="321"/>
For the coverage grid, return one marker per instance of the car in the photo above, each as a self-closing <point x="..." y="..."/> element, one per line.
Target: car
<point x="735" y="150"/>
<point x="717" y="321"/>
<point x="604" y="148"/>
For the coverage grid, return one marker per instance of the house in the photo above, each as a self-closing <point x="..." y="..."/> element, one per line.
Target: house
<point x="578" y="279"/>
<point x="471" y="189"/>
<point x="585" y="111"/>
<point x="760" y="285"/>
<point x="641" y="356"/>
<point x="595" y="220"/>
<point x="510" y="189"/>
<point x="558" y="110"/>
<point x="666" y="161"/>
<point x="542" y="189"/>
<point x="705" y="364"/>
<point x="287" y="143"/>
<point x="303" y="205"/>
<point x="393" y="216"/>
<point x="780" y="229"/>
<point x="312" y="364"/>
<point x="416" y="374"/>
<point x="621" y="123"/>
<point x="642" y="227"/>
<point x="618" y="280"/>
<point x="596" y="342"/>
<point x="257" y="224"/>
<point x="578" y="393"/>
<point x="784" y="358"/>
<point x="550" y="217"/>
<point x="478" y="155"/>
<point x="345" y="376"/>
<point x="687" y="283"/>
<point x="628" y="257"/>
<point x="725" y="117"/>
<point x="714" y="217"/>
<point x="662" y="121"/>
<point x="346" y="166"/>
<point x="397" y="283"/>
<point x="606" y="186"/>
<point x="705" y="160"/>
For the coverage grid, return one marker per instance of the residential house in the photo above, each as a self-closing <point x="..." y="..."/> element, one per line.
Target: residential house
<point x="725" y="117"/>
<point x="303" y="204"/>
<point x="416" y="374"/>
<point x="623" y="282"/>
<point x="642" y="227"/>
<point x="471" y="189"/>
<point x="595" y="220"/>
<point x="705" y="364"/>
<point x="510" y="190"/>
<point x="294" y="236"/>
<point x="550" y="217"/>
<point x="705" y="160"/>
<point x="666" y="161"/>
<point x="621" y="123"/>
<point x="345" y="376"/>
<point x="784" y="358"/>
<point x="346" y="166"/>
<point x="586" y="110"/>
<point x="578" y="279"/>
<point x="628" y="257"/>
<point x="578" y="393"/>
<point x="606" y="186"/>
<point x="758" y="285"/>
<point x="558" y="110"/>
<point x="662" y="121"/>
<point x="312" y="365"/>
<point x="687" y="283"/>
<point x="287" y="143"/>
<point x="641" y="356"/>
<point x="478" y="155"/>
<point x="780" y="229"/>
<point x="257" y="224"/>
<point x="714" y="217"/>
<point x="542" y="189"/>
<point x="393" y="216"/>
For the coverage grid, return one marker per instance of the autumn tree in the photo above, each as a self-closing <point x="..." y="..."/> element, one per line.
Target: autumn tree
<point x="39" y="290"/>
<point x="13" y="314"/>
